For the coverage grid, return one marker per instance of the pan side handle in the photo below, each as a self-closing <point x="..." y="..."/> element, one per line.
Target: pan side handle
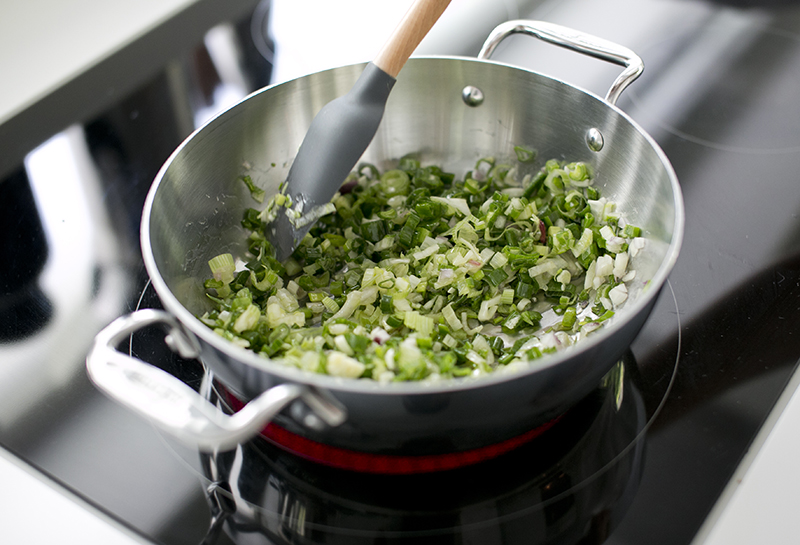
<point x="575" y="41"/>
<point x="171" y="404"/>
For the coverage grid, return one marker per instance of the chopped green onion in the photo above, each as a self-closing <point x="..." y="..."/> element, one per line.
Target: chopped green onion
<point x="631" y="231"/>
<point x="525" y="155"/>
<point x="330" y="304"/>
<point x="222" y="268"/>
<point x="256" y="192"/>
<point x="496" y="277"/>
<point x="373" y="231"/>
<point x="387" y="304"/>
<point x="568" y="320"/>
<point x="418" y="322"/>
<point x="415" y="274"/>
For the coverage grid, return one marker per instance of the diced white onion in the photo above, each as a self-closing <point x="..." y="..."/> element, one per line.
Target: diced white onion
<point x="605" y="266"/>
<point x="459" y="204"/>
<point x="340" y="365"/>
<point x="618" y="294"/>
<point x="620" y="265"/>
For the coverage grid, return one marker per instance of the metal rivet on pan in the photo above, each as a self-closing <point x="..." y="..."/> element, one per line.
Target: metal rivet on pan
<point x="472" y="96"/>
<point x="594" y="139"/>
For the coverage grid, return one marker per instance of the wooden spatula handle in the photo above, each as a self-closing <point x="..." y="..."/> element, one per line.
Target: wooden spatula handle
<point x="415" y="24"/>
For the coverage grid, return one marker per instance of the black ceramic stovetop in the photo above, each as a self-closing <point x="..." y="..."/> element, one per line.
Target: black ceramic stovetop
<point x="720" y="96"/>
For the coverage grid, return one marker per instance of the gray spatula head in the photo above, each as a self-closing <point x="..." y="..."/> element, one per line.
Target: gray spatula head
<point x="337" y="138"/>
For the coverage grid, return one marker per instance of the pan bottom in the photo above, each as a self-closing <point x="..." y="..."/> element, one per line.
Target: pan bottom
<point x="385" y="464"/>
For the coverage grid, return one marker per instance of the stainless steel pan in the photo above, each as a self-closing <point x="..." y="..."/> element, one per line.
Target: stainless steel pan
<point x="453" y="111"/>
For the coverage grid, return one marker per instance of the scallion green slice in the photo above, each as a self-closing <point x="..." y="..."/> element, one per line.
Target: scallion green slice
<point x="415" y="274"/>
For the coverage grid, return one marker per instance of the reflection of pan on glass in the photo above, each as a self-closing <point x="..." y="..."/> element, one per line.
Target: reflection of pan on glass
<point x="194" y="209"/>
<point x="573" y="483"/>
<point x="23" y="306"/>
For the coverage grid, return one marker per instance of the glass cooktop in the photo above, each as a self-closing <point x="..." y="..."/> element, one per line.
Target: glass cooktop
<point x="642" y="460"/>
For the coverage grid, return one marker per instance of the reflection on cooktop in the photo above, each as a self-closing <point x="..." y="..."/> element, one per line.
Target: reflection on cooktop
<point x="24" y="308"/>
<point x="733" y="88"/>
<point x="572" y="484"/>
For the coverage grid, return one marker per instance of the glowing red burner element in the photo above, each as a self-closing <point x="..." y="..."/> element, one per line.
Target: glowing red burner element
<point x="387" y="464"/>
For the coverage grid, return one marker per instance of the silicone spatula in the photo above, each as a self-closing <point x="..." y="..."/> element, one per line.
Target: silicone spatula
<point x="343" y="129"/>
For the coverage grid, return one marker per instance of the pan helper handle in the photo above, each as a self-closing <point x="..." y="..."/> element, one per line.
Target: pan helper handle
<point x="175" y="407"/>
<point x="575" y="41"/>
